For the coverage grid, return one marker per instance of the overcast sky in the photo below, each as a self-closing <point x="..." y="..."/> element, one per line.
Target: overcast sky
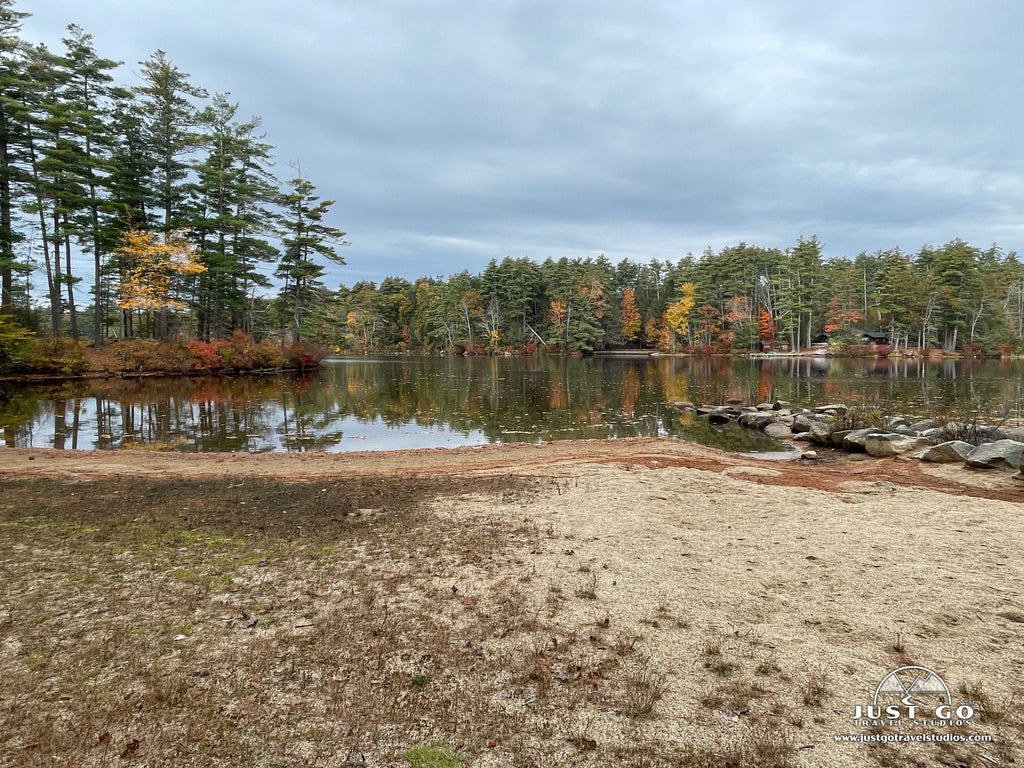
<point x="452" y="133"/>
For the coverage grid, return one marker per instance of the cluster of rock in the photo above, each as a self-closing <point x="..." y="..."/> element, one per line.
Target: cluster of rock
<point x="926" y="440"/>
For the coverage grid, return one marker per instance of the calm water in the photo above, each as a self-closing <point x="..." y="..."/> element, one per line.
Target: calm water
<point x="425" y="402"/>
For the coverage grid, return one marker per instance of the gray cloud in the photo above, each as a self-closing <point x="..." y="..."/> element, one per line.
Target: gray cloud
<point x="451" y="133"/>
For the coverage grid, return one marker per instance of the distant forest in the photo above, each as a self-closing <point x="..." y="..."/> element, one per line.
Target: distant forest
<point x="150" y="210"/>
<point x="740" y="298"/>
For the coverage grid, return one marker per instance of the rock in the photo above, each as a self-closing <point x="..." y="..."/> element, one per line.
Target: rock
<point x="748" y="409"/>
<point x="837" y="408"/>
<point x="854" y="441"/>
<point x="683" y="405"/>
<point x="838" y="436"/>
<point x="1000" y="454"/>
<point x="992" y="434"/>
<point x="892" y="444"/>
<point x="719" y="416"/>
<point x="906" y="431"/>
<point x="778" y="431"/>
<point x="949" y="452"/>
<point x="704" y="410"/>
<point x="921" y="426"/>
<point x="819" y="433"/>
<point x="757" y="420"/>
<point x="737" y="401"/>
<point x="809" y="455"/>
<point x="896" y="421"/>
<point x="802" y="422"/>
<point x="802" y="437"/>
<point x="1017" y="433"/>
<point x="781" y="405"/>
<point x="764" y="406"/>
<point x="936" y="435"/>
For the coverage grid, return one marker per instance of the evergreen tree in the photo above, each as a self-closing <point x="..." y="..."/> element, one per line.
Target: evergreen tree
<point x="305" y="236"/>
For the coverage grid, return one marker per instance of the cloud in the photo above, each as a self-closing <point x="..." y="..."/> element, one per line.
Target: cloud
<point x="450" y="133"/>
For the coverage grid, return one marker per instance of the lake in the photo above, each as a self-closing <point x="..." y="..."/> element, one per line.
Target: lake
<point x="391" y="403"/>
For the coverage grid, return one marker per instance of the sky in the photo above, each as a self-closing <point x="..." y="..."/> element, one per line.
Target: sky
<point x="452" y="133"/>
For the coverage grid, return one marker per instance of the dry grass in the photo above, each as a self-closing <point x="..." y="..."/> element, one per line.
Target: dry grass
<point x="347" y="623"/>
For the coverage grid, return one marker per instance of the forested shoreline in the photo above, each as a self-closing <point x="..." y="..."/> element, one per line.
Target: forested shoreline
<point x="150" y="211"/>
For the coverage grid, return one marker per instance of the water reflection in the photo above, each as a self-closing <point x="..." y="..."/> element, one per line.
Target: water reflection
<point x="430" y="402"/>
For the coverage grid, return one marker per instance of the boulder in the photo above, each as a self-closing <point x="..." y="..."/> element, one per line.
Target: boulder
<point x="1017" y="433"/>
<point x="778" y="431"/>
<point x="950" y="452"/>
<point x="921" y="426"/>
<point x="781" y="405"/>
<point x="736" y="401"/>
<point x="907" y="431"/>
<point x="1000" y="454"/>
<point x="837" y="408"/>
<point x="758" y="420"/>
<point x="719" y="416"/>
<point x="892" y="444"/>
<point x="854" y="441"/>
<point x="683" y="405"/>
<point x="802" y="422"/>
<point x="838" y="436"/>
<point x="936" y="435"/>
<point x="819" y="433"/>
<point x="896" y="421"/>
<point x="764" y="406"/>
<point x="809" y="455"/>
<point x="992" y="434"/>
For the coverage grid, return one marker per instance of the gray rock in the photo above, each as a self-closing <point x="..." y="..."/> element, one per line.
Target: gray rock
<point x="994" y="433"/>
<point x="936" y="435"/>
<point x="906" y="431"/>
<point x="719" y="416"/>
<point x="838" y="436"/>
<point x="819" y="433"/>
<point x="896" y="421"/>
<point x="1017" y="433"/>
<point x="781" y="405"/>
<point x="683" y="405"/>
<point x="892" y="444"/>
<point x="802" y="422"/>
<point x="737" y="401"/>
<point x="809" y="455"/>
<point x="764" y="406"/>
<point x="950" y="452"/>
<point x="921" y="426"/>
<point x="758" y="420"/>
<point x="1000" y="454"/>
<point x="778" y="431"/>
<point x="854" y="441"/>
<point x="748" y="409"/>
<point x="837" y="408"/>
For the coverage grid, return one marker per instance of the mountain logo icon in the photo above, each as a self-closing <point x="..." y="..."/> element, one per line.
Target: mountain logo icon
<point x="912" y="684"/>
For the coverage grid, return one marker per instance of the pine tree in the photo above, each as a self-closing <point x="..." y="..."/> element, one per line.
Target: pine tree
<point x="305" y="236"/>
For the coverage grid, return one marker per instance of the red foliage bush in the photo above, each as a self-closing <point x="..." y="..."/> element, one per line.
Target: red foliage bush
<point x="301" y="354"/>
<point x="205" y="355"/>
<point x="528" y="349"/>
<point x="883" y="350"/>
<point x="971" y="349"/>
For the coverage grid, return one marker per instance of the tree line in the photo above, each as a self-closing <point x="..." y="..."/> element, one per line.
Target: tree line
<point x="742" y="297"/>
<point x="171" y="196"/>
<point x="164" y="187"/>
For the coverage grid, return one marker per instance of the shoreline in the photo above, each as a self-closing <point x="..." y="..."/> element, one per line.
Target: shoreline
<point x="830" y="472"/>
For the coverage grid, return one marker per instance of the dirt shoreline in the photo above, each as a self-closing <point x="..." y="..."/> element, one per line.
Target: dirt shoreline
<point x="647" y="603"/>
<point x="828" y="473"/>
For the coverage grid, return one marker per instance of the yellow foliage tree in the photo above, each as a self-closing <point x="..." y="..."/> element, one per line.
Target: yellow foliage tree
<point x="677" y="315"/>
<point x="148" y="262"/>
